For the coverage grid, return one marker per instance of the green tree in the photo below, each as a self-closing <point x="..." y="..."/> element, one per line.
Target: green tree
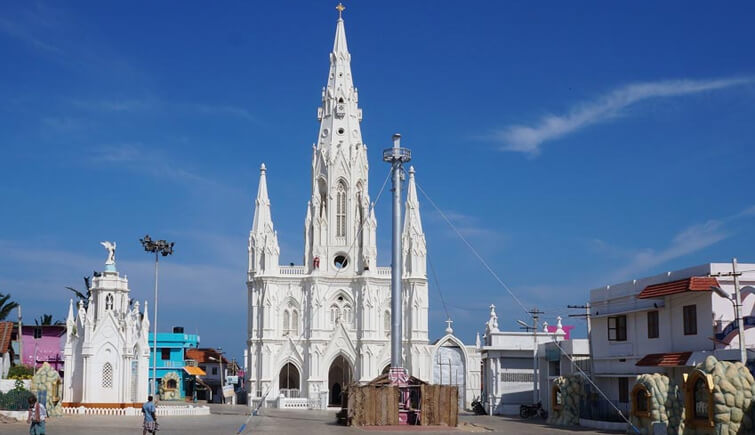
<point x="80" y="296"/>
<point x="6" y="306"/>
<point x="46" y="320"/>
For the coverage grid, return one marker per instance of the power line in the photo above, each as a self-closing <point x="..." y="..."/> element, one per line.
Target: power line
<point x="533" y="315"/>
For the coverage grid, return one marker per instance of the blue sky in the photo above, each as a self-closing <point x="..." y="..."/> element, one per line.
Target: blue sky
<point x="573" y="145"/>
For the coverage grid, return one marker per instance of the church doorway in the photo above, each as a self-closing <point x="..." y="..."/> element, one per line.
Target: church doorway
<point x="386" y="370"/>
<point x="339" y="377"/>
<point x="288" y="381"/>
<point x="449" y="368"/>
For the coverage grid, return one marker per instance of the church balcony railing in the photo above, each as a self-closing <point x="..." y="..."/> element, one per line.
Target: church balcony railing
<point x="384" y="271"/>
<point x="289" y="393"/>
<point x="293" y="270"/>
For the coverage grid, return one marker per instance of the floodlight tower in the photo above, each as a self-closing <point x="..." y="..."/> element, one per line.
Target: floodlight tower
<point x="157" y="247"/>
<point x="396" y="156"/>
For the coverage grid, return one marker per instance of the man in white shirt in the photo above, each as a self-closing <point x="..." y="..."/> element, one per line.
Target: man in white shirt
<point x="37" y="416"/>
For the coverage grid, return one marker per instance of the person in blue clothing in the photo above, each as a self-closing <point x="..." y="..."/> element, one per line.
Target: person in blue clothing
<point x="150" y="416"/>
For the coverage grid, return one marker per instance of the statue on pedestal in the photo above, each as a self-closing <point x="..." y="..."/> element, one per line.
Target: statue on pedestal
<point x="110" y="252"/>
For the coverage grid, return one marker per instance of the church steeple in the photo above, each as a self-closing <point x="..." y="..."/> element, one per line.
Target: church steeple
<point x="413" y="238"/>
<point x="338" y="223"/>
<point x="263" y="240"/>
<point x="339" y="45"/>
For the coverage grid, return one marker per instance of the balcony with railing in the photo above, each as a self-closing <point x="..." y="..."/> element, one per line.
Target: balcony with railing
<point x="384" y="271"/>
<point x="293" y="270"/>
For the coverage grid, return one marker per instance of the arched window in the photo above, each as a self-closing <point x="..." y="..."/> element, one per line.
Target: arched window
<point x="341" y="210"/>
<point x="109" y="302"/>
<point x="172" y="385"/>
<point x="360" y="215"/>
<point x="295" y="322"/>
<point x="640" y="401"/>
<point x="387" y="322"/>
<point x="698" y="400"/>
<point x="286" y="321"/>
<point x="107" y="375"/>
<point x="335" y="314"/>
<point x="347" y="314"/>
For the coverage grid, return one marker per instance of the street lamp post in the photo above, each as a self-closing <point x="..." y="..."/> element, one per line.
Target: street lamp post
<point x="158" y="247"/>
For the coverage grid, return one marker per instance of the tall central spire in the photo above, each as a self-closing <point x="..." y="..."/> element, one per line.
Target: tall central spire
<point x="339" y="223"/>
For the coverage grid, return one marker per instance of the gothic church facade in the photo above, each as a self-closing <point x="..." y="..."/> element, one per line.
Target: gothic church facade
<point x="316" y="327"/>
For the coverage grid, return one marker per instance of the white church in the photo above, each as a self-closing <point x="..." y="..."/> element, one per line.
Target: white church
<point x="107" y="349"/>
<point x="316" y="327"/>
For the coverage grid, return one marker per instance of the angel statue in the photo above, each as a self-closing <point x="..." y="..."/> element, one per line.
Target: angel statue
<point x="110" y="252"/>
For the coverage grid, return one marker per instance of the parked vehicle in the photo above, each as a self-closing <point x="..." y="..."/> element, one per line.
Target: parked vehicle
<point x="527" y="411"/>
<point x="477" y="407"/>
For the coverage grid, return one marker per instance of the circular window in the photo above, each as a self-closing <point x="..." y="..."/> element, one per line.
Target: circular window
<point x="325" y="132"/>
<point x="341" y="261"/>
<point x="340" y="130"/>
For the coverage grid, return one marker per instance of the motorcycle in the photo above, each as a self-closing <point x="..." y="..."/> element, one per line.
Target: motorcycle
<point x="477" y="407"/>
<point x="527" y="411"/>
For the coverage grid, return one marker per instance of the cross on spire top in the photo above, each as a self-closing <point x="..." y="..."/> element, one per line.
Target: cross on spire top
<point x="340" y="8"/>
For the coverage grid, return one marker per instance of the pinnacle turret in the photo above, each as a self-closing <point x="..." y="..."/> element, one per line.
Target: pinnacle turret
<point x="263" y="240"/>
<point x="413" y="238"/>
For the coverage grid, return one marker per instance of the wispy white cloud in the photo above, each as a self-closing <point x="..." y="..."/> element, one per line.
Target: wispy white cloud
<point x="138" y="158"/>
<point x="529" y="138"/>
<point x="689" y="240"/>
<point x="467" y="225"/>
<point x="153" y="104"/>
<point x="21" y="33"/>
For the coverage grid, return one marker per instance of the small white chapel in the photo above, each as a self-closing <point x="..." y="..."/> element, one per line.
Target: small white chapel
<point x="107" y="348"/>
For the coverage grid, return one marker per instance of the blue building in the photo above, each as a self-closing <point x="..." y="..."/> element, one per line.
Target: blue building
<point x="174" y="378"/>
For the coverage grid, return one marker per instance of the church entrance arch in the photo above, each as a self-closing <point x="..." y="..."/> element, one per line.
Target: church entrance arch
<point x="288" y="381"/>
<point x="339" y="377"/>
<point x="449" y="367"/>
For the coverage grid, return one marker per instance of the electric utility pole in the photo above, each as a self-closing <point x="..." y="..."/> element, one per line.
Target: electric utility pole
<point x="737" y="309"/>
<point x="587" y="317"/>
<point x="535" y="313"/>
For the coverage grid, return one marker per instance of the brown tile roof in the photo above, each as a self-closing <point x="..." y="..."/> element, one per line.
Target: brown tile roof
<point x="6" y="330"/>
<point x="664" y="359"/>
<point x="203" y="355"/>
<point x="693" y="284"/>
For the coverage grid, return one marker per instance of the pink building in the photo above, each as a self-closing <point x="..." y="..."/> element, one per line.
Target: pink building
<point x="43" y="344"/>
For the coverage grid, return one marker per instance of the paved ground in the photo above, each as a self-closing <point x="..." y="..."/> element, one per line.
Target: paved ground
<point x="272" y="421"/>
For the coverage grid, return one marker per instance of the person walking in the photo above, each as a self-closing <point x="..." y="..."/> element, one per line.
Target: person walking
<point x="150" y="416"/>
<point x="37" y="416"/>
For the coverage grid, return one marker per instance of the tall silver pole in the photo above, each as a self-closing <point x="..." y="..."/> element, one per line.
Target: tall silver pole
<point x="396" y="156"/>
<point x="535" y="374"/>
<point x="740" y="319"/>
<point x="154" y="334"/>
<point x="396" y="265"/>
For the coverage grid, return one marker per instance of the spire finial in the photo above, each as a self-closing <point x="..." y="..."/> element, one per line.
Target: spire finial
<point x="449" y="329"/>
<point x="340" y="8"/>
